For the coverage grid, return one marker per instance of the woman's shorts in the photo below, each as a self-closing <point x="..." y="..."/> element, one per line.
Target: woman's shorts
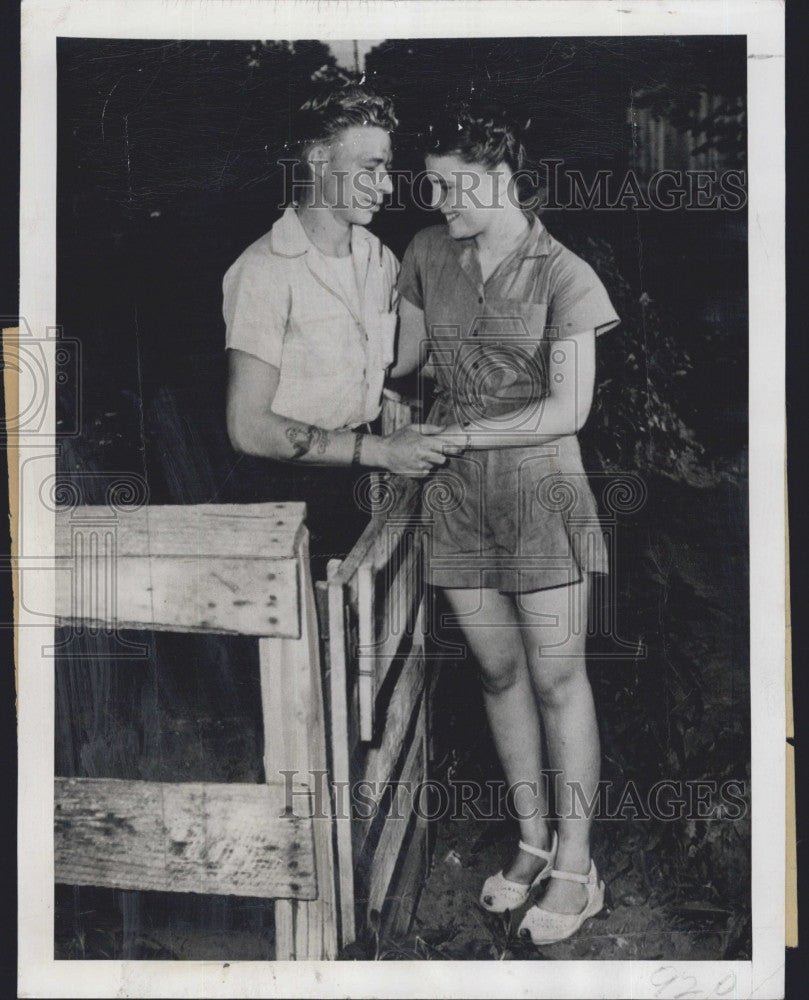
<point x="512" y="519"/>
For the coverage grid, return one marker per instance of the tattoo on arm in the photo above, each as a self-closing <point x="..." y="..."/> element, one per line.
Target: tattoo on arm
<point x="303" y="439"/>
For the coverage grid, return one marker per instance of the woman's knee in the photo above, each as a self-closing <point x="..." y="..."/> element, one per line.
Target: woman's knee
<point x="499" y="672"/>
<point x="556" y="678"/>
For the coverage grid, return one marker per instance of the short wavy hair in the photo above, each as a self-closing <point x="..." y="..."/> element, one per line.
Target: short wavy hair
<point x="483" y="134"/>
<point x="327" y="113"/>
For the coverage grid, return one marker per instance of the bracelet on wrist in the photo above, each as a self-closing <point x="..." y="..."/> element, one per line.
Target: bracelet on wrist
<point x="355" y="458"/>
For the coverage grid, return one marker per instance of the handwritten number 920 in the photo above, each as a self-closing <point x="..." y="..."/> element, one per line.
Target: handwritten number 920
<point x="684" y="985"/>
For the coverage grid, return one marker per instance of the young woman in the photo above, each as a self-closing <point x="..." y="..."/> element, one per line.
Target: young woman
<point x="509" y="318"/>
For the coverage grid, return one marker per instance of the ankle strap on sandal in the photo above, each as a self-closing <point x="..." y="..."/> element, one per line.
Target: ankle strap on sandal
<point x="538" y="851"/>
<point x="591" y="876"/>
<point x="570" y="876"/>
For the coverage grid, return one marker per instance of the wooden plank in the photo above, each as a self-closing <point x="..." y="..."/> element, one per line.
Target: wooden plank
<point x="373" y="545"/>
<point x="339" y="750"/>
<point x="205" y="838"/>
<point x="413" y="866"/>
<point x="366" y="658"/>
<point x="189" y="594"/>
<point x="396" y="412"/>
<point x="381" y="640"/>
<point x="432" y="679"/>
<point x="400" y="616"/>
<point x="373" y="553"/>
<point x="405" y="890"/>
<point x="294" y="740"/>
<point x="250" y="531"/>
<point x="226" y="568"/>
<point x="380" y="761"/>
<point x="403" y="515"/>
<point x="322" y="914"/>
<point x="359" y="553"/>
<point x="390" y="842"/>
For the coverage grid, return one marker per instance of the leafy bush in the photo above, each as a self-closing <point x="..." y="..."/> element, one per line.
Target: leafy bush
<point x="634" y="424"/>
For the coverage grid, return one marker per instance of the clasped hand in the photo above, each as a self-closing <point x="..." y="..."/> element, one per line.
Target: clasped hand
<point x="416" y="449"/>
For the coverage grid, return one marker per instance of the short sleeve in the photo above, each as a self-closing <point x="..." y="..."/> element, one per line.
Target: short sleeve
<point x="409" y="285"/>
<point x="254" y="307"/>
<point x="391" y="265"/>
<point x="579" y="300"/>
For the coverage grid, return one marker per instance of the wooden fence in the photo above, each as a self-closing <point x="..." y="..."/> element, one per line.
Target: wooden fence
<point x="660" y="145"/>
<point x="361" y="716"/>
<point x="378" y="708"/>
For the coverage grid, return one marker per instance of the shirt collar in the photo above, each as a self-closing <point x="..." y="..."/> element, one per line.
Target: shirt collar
<point x="289" y="238"/>
<point x="536" y="243"/>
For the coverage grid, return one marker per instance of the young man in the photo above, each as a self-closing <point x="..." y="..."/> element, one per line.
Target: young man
<point x="310" y="316"/>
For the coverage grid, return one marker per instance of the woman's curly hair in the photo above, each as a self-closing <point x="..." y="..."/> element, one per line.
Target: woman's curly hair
<point x="484" y="134"/>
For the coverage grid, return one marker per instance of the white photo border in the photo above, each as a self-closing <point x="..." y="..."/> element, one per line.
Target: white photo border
<point x="763" y="24"/>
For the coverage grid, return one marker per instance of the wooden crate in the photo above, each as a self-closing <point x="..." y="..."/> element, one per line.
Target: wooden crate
<point x="243" y="569"/>
<point x="222" y="568"/>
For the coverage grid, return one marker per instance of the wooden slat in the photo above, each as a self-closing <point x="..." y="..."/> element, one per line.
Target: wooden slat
<point x="239" y="596"/>
<point x="431" y="681"/>
<point x="226" y="568"/>
<point x="248" y="530"/>
<point x="321" y="914"/>
<point x="294" y="740"/>
<point x="390" y="842"/>
<point x="366" y="663"/>
<point x="401" y="516"/>
<point x="203" y="838"/>
<point x="339" y="748"/>
<point x="380" y="761"/>
<point x="413" y="863"/>
<point x="373" y="546"/>
<point x="372" y="555"/>
<point x="346" y="574"/>
<point x="399" y="618"/>
<point x="396" y="412"/>
<point x="404" y="892"/>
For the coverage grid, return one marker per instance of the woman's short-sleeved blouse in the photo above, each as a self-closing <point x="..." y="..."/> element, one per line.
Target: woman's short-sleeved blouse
<point x="489" y="345"/>
<point x="565" y="296"/>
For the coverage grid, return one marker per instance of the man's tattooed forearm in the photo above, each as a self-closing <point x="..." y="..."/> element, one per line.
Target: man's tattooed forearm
<point x="303" y="439"/>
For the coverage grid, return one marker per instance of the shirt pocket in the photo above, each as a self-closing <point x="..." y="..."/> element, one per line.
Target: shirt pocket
<point x="507" y="367"/>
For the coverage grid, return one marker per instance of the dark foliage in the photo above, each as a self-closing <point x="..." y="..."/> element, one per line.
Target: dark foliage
<point x="148" y="126"/>
<point x="574" y="91"/>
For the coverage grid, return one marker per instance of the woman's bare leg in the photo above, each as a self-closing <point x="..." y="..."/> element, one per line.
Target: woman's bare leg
<point x="554" y="633"/>
<point x="491" y="628"/>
